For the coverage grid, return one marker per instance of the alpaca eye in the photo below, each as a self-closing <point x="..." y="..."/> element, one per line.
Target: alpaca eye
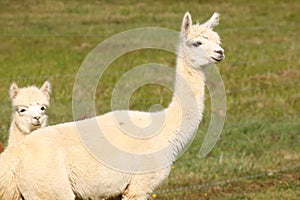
<point x="43" y="108"/>
<point x="22" y="110"/>
<point x="197" y="44"/>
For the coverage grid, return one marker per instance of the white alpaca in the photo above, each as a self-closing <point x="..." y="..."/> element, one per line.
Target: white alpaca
<point x="29" y="106"/>
<point x="52" y="163"/>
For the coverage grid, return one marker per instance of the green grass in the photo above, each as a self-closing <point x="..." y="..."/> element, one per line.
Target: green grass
<point x="261" y="72"/>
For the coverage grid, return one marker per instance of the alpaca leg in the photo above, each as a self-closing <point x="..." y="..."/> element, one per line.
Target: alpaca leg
<point x="50" y="184"/>
<point x="137" y="191"/>
<point x="50" y="197"/>
<point x="142" y="185"/>
<point x="133" y="193"/>
<point x="44" y="175"/>
<point x="48" y="189"/>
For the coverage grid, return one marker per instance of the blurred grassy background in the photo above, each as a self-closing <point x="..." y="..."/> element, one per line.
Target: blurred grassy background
<point x="258" y="155"/>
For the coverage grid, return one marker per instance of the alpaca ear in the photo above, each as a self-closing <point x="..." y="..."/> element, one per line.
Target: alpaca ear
<point x="213" y="21"/>
<point x="46" y="88"/>
<point x="13" y="91"/>
<point x="186" y="23"/>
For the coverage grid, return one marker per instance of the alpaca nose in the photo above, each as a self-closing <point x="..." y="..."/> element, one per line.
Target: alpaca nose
<point x="221" y="52"/>
<point x="37" y="118"/>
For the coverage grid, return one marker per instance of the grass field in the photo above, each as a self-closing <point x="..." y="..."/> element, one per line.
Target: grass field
<point x="258" y="154"/>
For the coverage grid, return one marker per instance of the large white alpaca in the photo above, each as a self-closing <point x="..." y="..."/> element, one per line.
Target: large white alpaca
<point x="29" y="106"/>
<point x="52" y="162"/>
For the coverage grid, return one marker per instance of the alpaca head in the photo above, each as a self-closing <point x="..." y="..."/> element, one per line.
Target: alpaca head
<point x="29" y="105"/>
<point x="200" y="45"/>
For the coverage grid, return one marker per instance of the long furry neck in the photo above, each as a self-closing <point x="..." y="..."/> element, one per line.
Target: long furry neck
<point x="187" y="104"/>
<point x="17" y="131"/>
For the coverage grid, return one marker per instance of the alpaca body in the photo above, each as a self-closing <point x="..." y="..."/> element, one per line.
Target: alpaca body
<point x="77" y="170"/>
<point x="71" y="166"/>
<point x="53" y="163"/>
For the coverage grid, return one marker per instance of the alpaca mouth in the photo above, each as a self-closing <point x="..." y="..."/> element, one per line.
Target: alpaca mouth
<point x="36" y="124"/>
<point x="215" y="59"/>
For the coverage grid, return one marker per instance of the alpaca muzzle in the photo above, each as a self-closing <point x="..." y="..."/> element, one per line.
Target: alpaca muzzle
<point x="219" y="55"/>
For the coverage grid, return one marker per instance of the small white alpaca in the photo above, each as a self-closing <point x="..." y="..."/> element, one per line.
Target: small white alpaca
<point x="52" y="163"/>
<point x="29" y="106"/>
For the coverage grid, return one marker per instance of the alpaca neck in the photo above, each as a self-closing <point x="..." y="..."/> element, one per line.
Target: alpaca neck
<point x="17" y="132"/>
<point x="187" y="104"/>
